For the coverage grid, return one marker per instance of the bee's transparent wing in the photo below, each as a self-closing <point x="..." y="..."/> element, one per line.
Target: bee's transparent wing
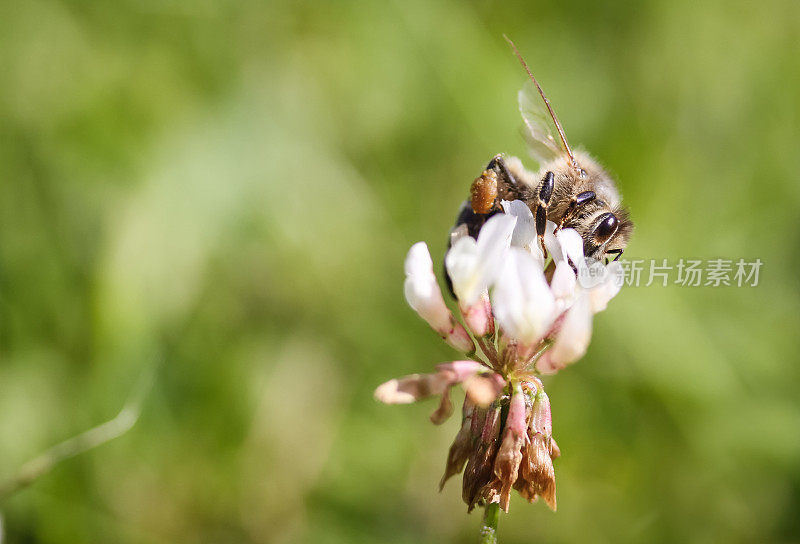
<point x="540" y="131"/>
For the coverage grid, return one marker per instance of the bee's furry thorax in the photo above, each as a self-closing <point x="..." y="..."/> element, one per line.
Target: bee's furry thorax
<point x="570" y="181"/>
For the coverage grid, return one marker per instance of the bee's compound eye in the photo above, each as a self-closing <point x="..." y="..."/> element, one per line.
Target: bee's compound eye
<point x="606" y="227"/>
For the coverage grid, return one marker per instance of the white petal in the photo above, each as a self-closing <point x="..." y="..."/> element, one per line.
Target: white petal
<point x="422" y="291"/>
<point x="495" y="236"/>
<point x="571" y="244"/>
<point x="608" y="289"/>
<point x="458" y="371"/>
<point x="564" y="281"/>
<point x="575" y="334"/>
<point x="524" y="234"/>
<point x="592" y="274"/>
<point x="552" y="243"/>
<point x="418" y="260"/>
<point x="391" y="393"/>
<point x="473" y="265"/>
<point x="522" y="302"/>
<point x="461" y="262"/>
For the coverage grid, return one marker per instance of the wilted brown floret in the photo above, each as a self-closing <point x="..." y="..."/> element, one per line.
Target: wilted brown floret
<point x="537" y="476"/>
<point x="411" y="388"/>
<point x="445" y="409"/>
<point x="479" y="469"/>
<point x="506" y="465"/>
<point x="482" y="387"/>
<point x="555" y="451"/>
<point x="462" y="445"/>
<point x="506" y="446"/>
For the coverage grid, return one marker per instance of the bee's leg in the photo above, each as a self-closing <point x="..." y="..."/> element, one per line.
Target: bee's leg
<point x="497" y="163"/>
<point x="617" y="251"/>
<point x="495" y="183"/>
<point x="540" y="213"/>
<point x="508" y="186"/>
<point x="581" y="199"/>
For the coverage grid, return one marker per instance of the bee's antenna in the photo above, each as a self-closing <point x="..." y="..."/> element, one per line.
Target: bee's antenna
<point x="546" y="101"/>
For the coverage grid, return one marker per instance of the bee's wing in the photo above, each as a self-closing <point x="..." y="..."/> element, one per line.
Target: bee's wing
<point x="540" y="131"/>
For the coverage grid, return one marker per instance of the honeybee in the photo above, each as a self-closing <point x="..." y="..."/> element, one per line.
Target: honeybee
<point x="570" y="189"/>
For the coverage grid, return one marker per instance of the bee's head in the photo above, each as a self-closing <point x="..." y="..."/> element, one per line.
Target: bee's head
<point x="607" y="234"/>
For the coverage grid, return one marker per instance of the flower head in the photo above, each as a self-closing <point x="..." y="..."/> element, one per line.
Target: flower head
<point x="524" y="315"/>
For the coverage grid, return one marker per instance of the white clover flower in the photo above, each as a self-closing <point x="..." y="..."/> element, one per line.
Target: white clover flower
<point x="424" y="296"/>
<point x="523" y="304"/>
<point x="473" y="264"/>
<point x="525" y="315"/>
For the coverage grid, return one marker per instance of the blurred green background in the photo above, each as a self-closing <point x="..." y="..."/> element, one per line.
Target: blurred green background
<point x="224" y="192"/>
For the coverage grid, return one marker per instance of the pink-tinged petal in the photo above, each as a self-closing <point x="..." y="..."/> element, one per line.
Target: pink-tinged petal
<point x="392" y="392"/>
<point x="572" y="338"/>
<point x="459" y="338"/>
<point x="411" y="388"/>
<point x="522" y="302"/>
<point x="458" y="371"/>
<point x="546" y="366"/>
<point x="483" y="389"/>
<point x="541" y="416"/>
<point x="420" y="386"/>
<point x="516" y="420"/>
<point x="478" y="317"/>
<point x="509" y="457"/>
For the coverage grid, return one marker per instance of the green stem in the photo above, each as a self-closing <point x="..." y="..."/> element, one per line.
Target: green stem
<point x="491" y="516"/>
<point x="94" y="437"/>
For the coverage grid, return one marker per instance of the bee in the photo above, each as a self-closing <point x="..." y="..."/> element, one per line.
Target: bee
<point x="570" y="189"/>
